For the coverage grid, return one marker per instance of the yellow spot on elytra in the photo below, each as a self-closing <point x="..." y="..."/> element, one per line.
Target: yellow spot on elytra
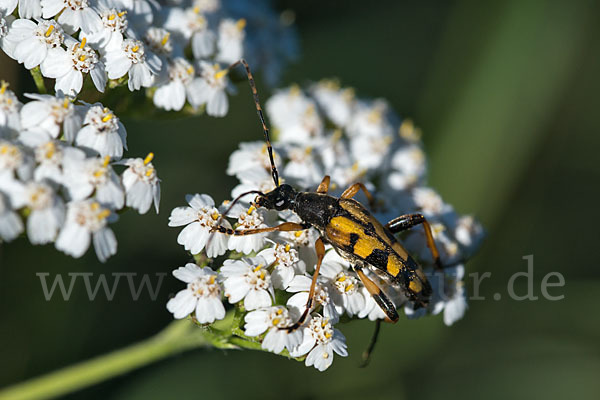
<point x="107" y="117"/>
<point x="49" y="31"/>
<point x="240" y="24"/>
<point x="3" y="87"/>
<point x="287" y="247"/>
<point x="165" y="39"/>
<point x="135" y="48"/>
<point x="148" y="158"/>
<point x="415" y="286"/>
<point x="221" y="74"/>
<point x="83" y="41"/>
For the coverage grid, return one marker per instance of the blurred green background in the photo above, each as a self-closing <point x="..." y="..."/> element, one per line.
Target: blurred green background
<point x="507" y="96"/>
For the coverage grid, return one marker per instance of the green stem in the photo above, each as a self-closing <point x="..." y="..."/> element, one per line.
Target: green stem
<point x="176" y="337"/>
<point x="39" y="80"/>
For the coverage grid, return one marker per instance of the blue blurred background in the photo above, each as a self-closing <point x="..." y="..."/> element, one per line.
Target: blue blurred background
<point x="506" y="94"/>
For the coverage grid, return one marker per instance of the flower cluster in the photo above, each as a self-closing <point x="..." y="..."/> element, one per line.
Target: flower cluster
<point x="178" y="51"/>
<point x="323" y="130"/>
<point x="57" y="180"/>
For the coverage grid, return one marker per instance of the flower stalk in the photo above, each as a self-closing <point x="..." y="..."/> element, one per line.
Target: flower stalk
<point x="36" y="73"/>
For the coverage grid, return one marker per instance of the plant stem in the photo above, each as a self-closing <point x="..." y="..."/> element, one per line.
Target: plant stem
<point x="176" y="337"/>
<point x="39" y="80"/>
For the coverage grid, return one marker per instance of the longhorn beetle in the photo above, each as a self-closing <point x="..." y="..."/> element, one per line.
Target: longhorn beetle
<point x="349" y="228"/>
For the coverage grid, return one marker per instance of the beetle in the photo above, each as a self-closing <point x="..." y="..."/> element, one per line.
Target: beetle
<point x="349" y="228"/>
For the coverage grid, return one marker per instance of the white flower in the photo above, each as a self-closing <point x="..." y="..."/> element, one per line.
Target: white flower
<point x="373" y="119"/>
<point x="47" y="212"/>
<point x="10" y="121"/>
<point x="10" y="222"/>
<point x="93" y="175"/>
<point x="74" y="14"/>
<point x="30" y="42"/>
<point x="303" y="167"/>
<point x="248" y="280"/>
<point x="273" y="320"/>
<point x="110" y="34"/>
<point x="102" y="132"/>
<point x="251" y="155"/>
<point x="230" y="45"/>
<point x="321" y="340"/>
<point x="27" y="8"/>
<point x="294" y="115"/>
<point x="202" y="295"/>
<point x="287" y="263"/>
<point x="449" y="293"/>
<point x="68" y="67"/>
<point x="300" y="285"/>
<point x="408" y="164"/>
<point x="251" y="218"/>
<point x="50" y="113"/>
<point x="337" y="104"/>
<point x="191" y="23"/>
<point x="171" y="94"/>
<point x="131" y="57"/>
<point x="210" y="89"/>
<point x="14" y="161"/>
<point x="345" y="287"/>
<point x="200" y="217"/>
<point x="142" y="186"/>
<point x="160" y="42"/>
<point x="86" y="220"/>
<point x="469" y="233"/>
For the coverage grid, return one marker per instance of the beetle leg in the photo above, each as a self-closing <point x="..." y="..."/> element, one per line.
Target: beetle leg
<point x="380" y="298"/>
<point x="324" y="186"/>
<point x="320" y="248"/>
<point x="284" y="227"/>
<point x="408" y="221"/>
<point x="366" y="356"/>
<point x="352" y="190"/>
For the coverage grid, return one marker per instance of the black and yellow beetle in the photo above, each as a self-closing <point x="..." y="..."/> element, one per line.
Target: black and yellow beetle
<point x="349" y="228"/>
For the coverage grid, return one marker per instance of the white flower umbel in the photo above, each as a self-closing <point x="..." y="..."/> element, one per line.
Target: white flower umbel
<point x="250" y="218"/>
<point x="31" y="41"/>
<point x="210" y="89"/>
<point x="11" y="225"/>
<point x="86" y="221"/>
<point x="273" y="320"/>
<point x="141" y="183"/>
<point x="68" y="67"/>
<point x="132" y="58"/>
<point x="230" y="44"/>
<point x="247" y="280"/>
<point x="321" y="340"/>
<point x="47" y="212"/>
<point x="171" y="93"/>
<point x="50" y="114"/>
<point x="74" y="14"/>
<point x="202" y="295"/>
<point x="199" y="219"/>
<point x="27" y="8"/>
<point x="10" y="121"/>
<point x="93" y="175"/>
<point x="286" y="261"/>
<point x="102" y="132"/>
<point x="191" y="23"/>
<point x="110" y="34"/>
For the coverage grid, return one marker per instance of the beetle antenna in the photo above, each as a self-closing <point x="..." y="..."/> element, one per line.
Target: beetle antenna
<point x="274" y="172"/>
